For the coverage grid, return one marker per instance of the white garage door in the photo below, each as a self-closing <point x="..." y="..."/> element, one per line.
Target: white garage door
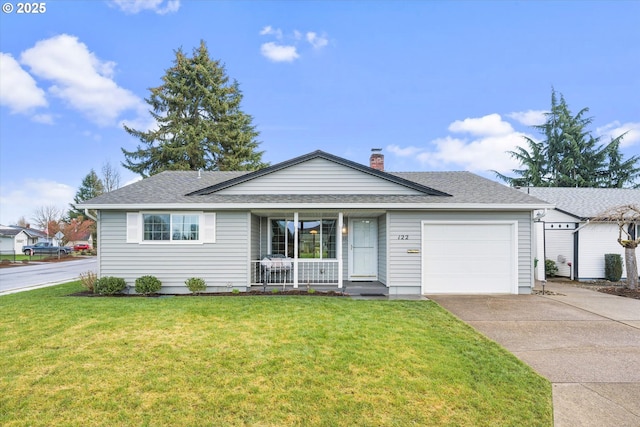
<point x="469" y="257"/>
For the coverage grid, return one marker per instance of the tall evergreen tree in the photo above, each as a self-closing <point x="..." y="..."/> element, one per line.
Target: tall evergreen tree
<point x="620" y="171"/>
<point x="199" y="121"/>
<point x="570" y="156"/>
<point x="91" y="187"/>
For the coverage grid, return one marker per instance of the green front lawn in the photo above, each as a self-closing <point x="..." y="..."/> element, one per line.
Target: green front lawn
<point x="244" y="361"/>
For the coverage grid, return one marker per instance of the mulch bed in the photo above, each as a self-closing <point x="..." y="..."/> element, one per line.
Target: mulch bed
<point x="621" y="291"/>
<point x="604" y="286"/>
<point x="215" y="294"/>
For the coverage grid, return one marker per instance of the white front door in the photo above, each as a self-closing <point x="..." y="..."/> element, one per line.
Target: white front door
<point x="363" y="249"/>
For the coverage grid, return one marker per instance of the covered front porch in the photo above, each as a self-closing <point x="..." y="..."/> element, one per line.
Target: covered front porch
<point x="314" y="249"/>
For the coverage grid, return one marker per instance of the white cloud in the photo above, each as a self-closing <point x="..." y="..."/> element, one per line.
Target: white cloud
<point x="491" y="124"/>
<point x="23" y="198"/>
<point x="136" y="6"/>
<point x="279" y="53"/>
<point x="286" y="50"/>
<point x="403" y="152"/>
<point x="486" y="149"/>
<point x="615" y="129"/>
<point x="45" y="119"/>
<point x="476" y="155"/>
<point x="80" y="78"/>
<point x="18" y="90"/>
<point x="316" y="41"/>
<point x="530" y="117"/>
<point x="270" y="31"/>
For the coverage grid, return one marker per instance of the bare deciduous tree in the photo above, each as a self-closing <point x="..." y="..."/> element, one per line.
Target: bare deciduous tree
<point x="22" y="222"/>
<point x="627" y="217"/>
<point x="110" y="177"/>
<point x="45" y="215"/>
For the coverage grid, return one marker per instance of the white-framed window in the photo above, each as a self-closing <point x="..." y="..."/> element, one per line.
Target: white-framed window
<point x="171" y="227"/>
<point x="316" y="237"/>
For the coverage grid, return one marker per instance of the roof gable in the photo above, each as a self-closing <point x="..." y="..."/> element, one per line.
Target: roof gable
<point x="318" y="173"/>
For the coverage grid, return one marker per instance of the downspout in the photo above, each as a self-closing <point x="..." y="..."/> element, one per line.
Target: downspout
<point x="86" y="212"/>
<point x="576" y="248"/>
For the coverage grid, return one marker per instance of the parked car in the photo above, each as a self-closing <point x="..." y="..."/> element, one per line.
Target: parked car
<point x="46" y="248"/>
<point x="81" y="247"/>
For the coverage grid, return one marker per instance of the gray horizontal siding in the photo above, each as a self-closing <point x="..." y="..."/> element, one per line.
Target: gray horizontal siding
<point x="318" y="176"/>
<point x="405" y="269"/>
<point x="219" y="264"/>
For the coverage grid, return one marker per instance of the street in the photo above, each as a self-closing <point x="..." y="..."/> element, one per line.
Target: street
<point x="15" y="279"/>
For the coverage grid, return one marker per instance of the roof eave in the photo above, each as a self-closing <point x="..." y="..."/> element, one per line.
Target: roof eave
<point x="336" y="206"/>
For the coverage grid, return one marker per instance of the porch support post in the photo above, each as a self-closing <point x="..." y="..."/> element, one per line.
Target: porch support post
<point x="339" y="248"/>
<point x="295" y="250"/>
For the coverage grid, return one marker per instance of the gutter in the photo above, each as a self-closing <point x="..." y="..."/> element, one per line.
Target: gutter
<point x="331" y="205"/>
<point x="582" y="226"/>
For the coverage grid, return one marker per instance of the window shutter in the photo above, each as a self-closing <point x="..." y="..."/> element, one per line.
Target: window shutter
<point x="209" y="228"/>
<point x="133" y="225"/>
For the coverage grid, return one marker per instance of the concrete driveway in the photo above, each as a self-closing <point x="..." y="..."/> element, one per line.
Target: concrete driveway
<point x="585" y="342"/>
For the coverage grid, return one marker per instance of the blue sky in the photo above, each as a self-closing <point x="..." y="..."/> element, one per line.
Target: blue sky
<point x="438" y="85"/>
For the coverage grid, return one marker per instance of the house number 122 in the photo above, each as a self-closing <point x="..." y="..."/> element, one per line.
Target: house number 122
<point x="403" y="237"/>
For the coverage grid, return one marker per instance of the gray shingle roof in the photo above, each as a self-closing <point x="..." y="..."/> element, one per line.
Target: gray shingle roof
<point x="9" y="231"/>
<point x="13" y="230"/>
<point x="173" y="187"/>
<point x="585" y="202"/>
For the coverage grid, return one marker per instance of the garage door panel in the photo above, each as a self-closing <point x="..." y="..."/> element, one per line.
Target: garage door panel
<point x="469" y="258"/>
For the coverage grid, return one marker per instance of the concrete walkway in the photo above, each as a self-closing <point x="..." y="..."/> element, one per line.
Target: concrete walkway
<point x="585" y="342"/>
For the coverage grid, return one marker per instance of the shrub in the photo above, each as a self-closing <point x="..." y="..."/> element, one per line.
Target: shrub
<point x="88" y="280"/>
<point x="235" y="291"/>
<point x="196" y="284"/>
<point x="613" y="267"/>
<point x="550" y="267"/>
<point x="109" y="285"/>
<point x="148" y="285"/>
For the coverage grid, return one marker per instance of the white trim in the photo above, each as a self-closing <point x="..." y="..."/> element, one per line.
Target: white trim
<point x="339" y="248"/>
<point x="295" y="248"/>
<point x="351" y="276"/>
<point x="514" y="245"/>
<point x="206" y="231"/>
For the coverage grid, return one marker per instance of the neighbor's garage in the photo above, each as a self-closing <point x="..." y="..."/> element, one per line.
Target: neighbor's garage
<point x="469" y="257"/>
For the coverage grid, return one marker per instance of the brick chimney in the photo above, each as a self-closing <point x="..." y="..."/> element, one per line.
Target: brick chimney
<point x="376" y="161"/>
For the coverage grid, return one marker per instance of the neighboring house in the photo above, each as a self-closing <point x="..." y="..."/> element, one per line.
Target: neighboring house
<point x="13" y="238"/>
<point x="567" y="235"/>
<point x="319" y="219"/>
<point x="86" y="239"/>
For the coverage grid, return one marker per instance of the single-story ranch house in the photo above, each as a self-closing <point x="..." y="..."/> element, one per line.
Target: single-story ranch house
<point x="568" y="236"/>
<point x="319" y="219"/>
<point x="13" y="238"/>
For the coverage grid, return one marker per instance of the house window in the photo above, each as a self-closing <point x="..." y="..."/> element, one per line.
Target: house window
<point x="316" y="238"/>
<point x="170" y="227"/>
<point x="156" y="226"/>
<point x="185" y="227"/>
